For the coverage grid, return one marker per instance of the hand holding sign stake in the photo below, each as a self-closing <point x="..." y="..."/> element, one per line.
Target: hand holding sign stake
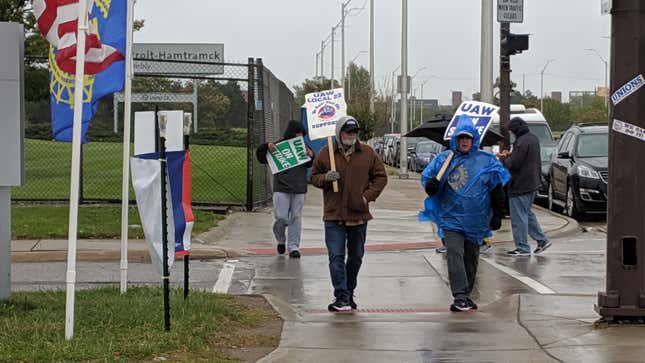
<point x="324" y="108"/>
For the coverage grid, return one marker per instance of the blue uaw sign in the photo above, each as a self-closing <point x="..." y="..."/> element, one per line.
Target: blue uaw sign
<point x="480" y="114"/>
<point x="324" y="108"/>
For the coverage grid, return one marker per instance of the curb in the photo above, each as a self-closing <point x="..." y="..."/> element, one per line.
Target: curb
<point x="569" y="228"/>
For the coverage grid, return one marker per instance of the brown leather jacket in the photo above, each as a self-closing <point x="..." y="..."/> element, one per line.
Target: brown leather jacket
<point x="363" y="176"/>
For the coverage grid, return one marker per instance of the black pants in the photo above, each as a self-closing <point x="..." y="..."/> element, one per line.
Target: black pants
<point x="463" y="259"/>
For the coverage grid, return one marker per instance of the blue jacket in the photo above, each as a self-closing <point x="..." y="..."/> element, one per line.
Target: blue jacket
<point x="462" y="203"/>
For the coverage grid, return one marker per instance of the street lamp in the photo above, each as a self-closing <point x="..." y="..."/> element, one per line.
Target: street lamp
<point x="414" y="103"/>
<point x="542" y="84"/>
<point x="422" y="105"/>
<point x="606" y="68"/>
<point x="392" y="112"/>
<point x="349" y="78"/>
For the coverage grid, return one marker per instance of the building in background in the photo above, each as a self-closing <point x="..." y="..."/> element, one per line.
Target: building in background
<point x="456" y="98"/>
<point x="582" y="98"/>
<point x="556" y="96"/>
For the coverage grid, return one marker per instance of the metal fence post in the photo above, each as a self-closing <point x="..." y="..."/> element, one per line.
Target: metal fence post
<point x="249" y="134"/>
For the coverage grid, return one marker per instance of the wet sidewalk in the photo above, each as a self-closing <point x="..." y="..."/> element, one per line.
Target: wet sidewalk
<point x="395" y="227"/>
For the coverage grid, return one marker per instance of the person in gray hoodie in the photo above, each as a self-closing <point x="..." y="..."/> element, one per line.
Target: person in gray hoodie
<point x="289" y="191"/>
<point x="525" y="167"/>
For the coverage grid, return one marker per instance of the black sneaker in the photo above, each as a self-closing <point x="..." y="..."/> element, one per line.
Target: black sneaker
<point x="517" y="253"/>
<point x="442" y="249"/>
<point x="294" y="254"/>
<point x="340" y="304"/>
<point x="352" y="303"/>
<point x="461" y="305"/>
<point x="543" y="248"/>
<point x="281" y="249"/>
<point x="472" y="303"/>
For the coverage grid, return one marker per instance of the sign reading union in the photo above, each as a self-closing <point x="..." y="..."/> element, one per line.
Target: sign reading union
<point x="182" y="53"/>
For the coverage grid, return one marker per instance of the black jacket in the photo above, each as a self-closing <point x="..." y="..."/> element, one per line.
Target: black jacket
<point x="294" y="180"/>
<point x="524" y="162"/>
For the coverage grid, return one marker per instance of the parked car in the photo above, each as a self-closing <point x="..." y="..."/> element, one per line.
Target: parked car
<point x="579" y="171"/>
<point x="423" y="154"/>
<point x="546" y="155"/>
<point x="388" y="147"/>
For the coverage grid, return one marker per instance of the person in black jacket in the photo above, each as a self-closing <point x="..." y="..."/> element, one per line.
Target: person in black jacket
<point x="525" y="167"/>
<point x="289" y="190"/>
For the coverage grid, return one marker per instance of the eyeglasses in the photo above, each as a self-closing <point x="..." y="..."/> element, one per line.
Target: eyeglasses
<point x="352" y="131"/>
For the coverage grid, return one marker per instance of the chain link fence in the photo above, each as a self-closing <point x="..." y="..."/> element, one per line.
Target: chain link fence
<point x="235" y="107"/>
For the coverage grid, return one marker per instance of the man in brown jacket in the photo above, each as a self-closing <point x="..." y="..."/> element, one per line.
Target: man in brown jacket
<point x="361" y="178"/>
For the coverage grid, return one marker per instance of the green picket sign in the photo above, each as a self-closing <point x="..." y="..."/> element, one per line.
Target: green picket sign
<point x="289" y="154"/>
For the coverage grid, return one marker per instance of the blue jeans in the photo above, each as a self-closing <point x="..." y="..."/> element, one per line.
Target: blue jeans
<point x="344" y="274"/>
<point x="524" y="222"/>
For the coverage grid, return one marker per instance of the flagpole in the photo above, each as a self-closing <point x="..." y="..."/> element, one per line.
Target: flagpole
<point x="125" y="185"/>
<point x="76" y="163"/>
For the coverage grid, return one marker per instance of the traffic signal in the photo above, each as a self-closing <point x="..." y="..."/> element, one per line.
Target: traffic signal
<point x="515" y="43"/>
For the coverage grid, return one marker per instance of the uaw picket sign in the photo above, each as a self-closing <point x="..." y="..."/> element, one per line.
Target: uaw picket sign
<point x="324" y="108"/>
<point x="628" y="89"/>
<point x="289" y="154"/>
<point x="479" y="113"/>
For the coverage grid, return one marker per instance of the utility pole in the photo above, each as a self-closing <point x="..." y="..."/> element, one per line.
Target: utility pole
<point x="486" y="62"/>
<point x="322" y="58"/>
<point x="333" y="30"/>
<point x="542" y="84"/>
<point x="403" y="172"/>
<point x="393" y="110"/>
<point x="342" y="43"/>
<point x="422" y="102"/>
<point x="317" y="58"/>
<point x="371" y="57"/>
<point x="625" y="278"/>
<point x="504" y="84"/>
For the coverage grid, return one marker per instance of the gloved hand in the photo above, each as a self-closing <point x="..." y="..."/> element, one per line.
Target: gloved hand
<point x="432" y="186"/>
<point x="332" y="176"/>
<point x="495" y="223"/>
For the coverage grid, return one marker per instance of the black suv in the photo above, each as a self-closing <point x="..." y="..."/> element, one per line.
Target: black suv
<point x="579" y="171"/>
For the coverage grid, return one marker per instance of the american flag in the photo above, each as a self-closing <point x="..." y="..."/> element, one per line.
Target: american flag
<point x="58" y="22"/>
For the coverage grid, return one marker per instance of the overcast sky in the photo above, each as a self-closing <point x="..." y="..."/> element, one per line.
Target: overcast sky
<point x="443" y="36"/>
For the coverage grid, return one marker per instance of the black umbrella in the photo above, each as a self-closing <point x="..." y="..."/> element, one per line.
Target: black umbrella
<point x="435" y="128"/>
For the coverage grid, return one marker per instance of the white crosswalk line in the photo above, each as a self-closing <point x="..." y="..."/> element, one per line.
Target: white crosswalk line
<point x="538" y="287"/>
<point x="225" y="277"/>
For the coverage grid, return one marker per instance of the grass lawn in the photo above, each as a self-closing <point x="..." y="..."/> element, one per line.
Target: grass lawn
<point x="110" y="327"/>
<point x="219" y="172"/>
<point x="51" y="221"/>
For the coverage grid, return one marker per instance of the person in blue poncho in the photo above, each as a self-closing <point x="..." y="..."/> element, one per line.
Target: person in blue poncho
<point x="466" y="202"/>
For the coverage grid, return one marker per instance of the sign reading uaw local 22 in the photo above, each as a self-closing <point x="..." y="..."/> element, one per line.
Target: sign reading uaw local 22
<point x="324" y="108"/>
<point x="479" y="113"/>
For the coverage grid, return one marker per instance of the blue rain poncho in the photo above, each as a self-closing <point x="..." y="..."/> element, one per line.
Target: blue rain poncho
<point x="462" y="203"/>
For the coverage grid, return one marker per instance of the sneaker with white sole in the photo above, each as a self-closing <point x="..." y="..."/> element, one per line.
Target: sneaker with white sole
<point x="340" y="304"/>
<point x="517" y="253"/>
<point x="442" y="249"/>
<point x="542" y="248"/>
<point x="485" y="248"/>
<point x="461" y="305"/>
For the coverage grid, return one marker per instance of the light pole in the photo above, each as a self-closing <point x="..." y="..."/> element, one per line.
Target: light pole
<point x="344" y="14"/>
<point x="349" y="78"/>
<point x="606" y="68"/>
<point x="392" y="110"/>
<point x="413" y="94"/>
<point x="486" y="62"/>
<point x="371" y="57"/>
<point x="422" y="103"/>
<point x="403" y="172"/>
<point x="542" y="84"/>
<point x="317" y="59"/>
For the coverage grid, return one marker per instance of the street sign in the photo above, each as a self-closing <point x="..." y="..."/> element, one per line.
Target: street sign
<point x="510" y="11"/>
<point x="184" y="54"/>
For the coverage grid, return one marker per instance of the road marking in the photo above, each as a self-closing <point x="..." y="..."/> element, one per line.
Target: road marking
<point x="225" y="277"/>
<point x="541" y="289"/>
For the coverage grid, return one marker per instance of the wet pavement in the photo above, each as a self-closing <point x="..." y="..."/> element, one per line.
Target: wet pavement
<point x="531" y="309"/>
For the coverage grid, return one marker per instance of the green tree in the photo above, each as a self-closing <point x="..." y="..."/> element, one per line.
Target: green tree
<point x="310" y="86"/>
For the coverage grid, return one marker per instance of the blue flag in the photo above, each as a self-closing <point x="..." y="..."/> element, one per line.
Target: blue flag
<point x="104" y="65"/>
